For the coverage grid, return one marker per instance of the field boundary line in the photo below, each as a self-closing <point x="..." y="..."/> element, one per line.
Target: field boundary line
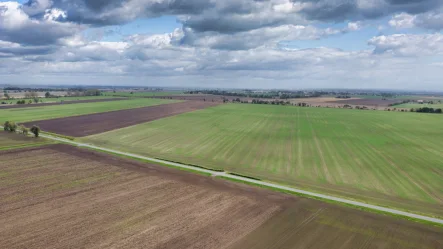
<point x="257" y="182"/>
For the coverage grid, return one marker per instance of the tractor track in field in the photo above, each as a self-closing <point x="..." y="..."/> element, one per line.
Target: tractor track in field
<point x="256" y="182"/>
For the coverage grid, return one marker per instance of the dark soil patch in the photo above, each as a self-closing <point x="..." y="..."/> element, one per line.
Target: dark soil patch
<point x="85" y="125"/>
<point x="59" y="103"/>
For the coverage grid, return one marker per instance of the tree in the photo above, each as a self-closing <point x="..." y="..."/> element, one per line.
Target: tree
<point x="35" y="130"/>
<point x="25" y="131"/>
<point x="10" y="126"/>
<point x="7" y="96"/>
<point x="35" y="100"/>
<point x="6" y="126"/>
<point x="47" y="95"/>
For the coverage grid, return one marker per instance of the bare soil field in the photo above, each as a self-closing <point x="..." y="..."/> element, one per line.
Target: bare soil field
<point x="86" y="125"/>
<point x="59" y="196"/>
<point x="59" y="103"/>
<point x="365" y="102"/>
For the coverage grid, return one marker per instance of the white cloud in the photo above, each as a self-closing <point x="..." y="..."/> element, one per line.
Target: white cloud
<point x="402" y="20"/>
<point x="431" y="20"/>
<point x="17" y="26"/>
<point x="408" y="45"/>
<point x="54" y="14"/>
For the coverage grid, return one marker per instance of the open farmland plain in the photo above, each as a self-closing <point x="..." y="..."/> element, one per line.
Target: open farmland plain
<point x="141" y="94"/>
<point x="59" y="196"/>
<point x="85" y="125"/>
<point x="416" y="105"/>
<point x="366" y="102"/>
<point x="11" y="140"/>
<point x="59" y="102"/>
<point x="58" y="111"/>
<point x="390" y="159"/>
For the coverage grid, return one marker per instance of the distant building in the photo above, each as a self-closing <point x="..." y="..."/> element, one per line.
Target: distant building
<point x="420" y="101"/>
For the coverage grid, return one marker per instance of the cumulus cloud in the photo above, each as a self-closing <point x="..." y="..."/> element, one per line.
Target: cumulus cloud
<point x="431" y="20"/>
<point x="230" y="16"/>
<point x="17" y="26"/>
<point x="408" y="44"/>
<point x="229" y="40"/>
<point x="263" y="37"/>
<point x="337" y="10"/>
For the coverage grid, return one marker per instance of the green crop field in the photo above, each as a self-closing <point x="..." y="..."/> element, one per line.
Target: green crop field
<point x="59" y="111"/>
<point x="141" y="94"/>
<point x="392" y="159"/>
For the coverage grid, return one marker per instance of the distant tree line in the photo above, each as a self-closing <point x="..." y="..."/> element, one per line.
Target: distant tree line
<point x="427" y="110"/>
<point x="266" y="95"/>
<point x="21" y="89"/>
<point x="78" y="92"/>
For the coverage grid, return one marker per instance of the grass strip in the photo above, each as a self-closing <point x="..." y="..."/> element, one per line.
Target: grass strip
<point x="58" y="135"/>
<point x="245" y="176"/>
<point x="332" y="202"/>
<point x="193" y="165"/>
<point x="22" y="146"/>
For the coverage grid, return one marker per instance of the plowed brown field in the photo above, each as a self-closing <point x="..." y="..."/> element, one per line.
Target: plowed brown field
<point x="86" y="125"/>
<point x="63" y="197"/>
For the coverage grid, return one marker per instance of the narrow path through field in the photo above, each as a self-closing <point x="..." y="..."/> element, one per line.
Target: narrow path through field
<point x="256" y="182"/>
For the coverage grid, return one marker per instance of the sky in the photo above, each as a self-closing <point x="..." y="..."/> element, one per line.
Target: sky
<point x="288" y="44"/>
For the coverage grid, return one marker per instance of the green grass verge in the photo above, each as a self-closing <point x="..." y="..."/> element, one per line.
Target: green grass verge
<point x="193" y="165"/>
<point x="22" y="146"/>
<point x="58" y="135"/>
<point x="331" y="202"/>
<point x="245" y="176"/>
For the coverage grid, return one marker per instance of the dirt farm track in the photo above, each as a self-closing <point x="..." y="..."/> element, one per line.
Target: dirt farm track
<point x="85" y="125"/>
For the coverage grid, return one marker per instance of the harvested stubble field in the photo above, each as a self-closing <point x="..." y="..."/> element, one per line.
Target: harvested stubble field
<point x="59" y="102"/>
<point x="64" y="197"/>
<point x="390" y="159"/>
<point x="12" y="140"/>
<point x="59" y="111"/>
<point x="79" y="126"/>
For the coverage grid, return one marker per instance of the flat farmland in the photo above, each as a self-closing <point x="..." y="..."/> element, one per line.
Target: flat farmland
<point x="366" y="102"/>
<point x="79" y="126"/>
<point x="415" y="105"/>
<point x="59" y="111"/>
<point x="60" y="102"/>
<point x="390" y="159"/>
<point x="63" y="197"/>
<point x="11" y="140"/>
<point x="141" y="94"/>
